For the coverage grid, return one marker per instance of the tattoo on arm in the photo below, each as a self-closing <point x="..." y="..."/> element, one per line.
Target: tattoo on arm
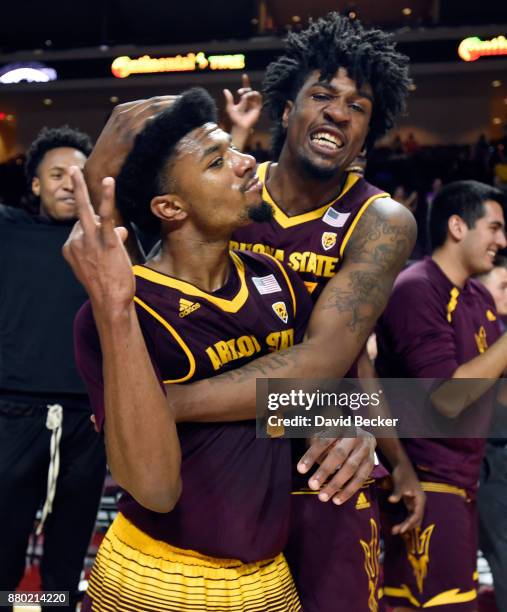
<point x="264" y="367"/>
<point x="378" y="250"/>
<point x="376" y="253"/>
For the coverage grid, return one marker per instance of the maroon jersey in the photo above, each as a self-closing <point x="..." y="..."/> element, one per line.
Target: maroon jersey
<point x="428" y="329"/>
<point x="313" y="243"/>
<point x="236" y="488"/>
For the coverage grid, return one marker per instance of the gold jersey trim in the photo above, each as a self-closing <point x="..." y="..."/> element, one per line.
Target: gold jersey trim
<point x="453" y="302"/>
<point x="176" y="336"/>
<point x="143" y="573"/>
<point x="452" y="596"/>
<point x="360" y="213"/>
<point x="234" y="305"/>
<point x="284" y="220"/>
<point x="441" y="487"/>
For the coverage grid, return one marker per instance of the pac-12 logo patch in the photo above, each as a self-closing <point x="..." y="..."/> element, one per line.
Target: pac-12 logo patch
<point x="335" y="218"/>
<point x="281" y="310"/>
<point x="328" y="240"/>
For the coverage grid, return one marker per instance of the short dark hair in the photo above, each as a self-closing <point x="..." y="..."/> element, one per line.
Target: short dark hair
<point x="328" y="44"/>
<point x="500" y="261"/>
<point x="463" y="198"/>
<point x="140" y="178"/>
<point x="54" y="138"/>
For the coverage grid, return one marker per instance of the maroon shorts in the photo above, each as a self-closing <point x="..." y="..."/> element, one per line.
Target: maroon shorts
<point x="435" y="565"/>
<point x="333" y="552"/>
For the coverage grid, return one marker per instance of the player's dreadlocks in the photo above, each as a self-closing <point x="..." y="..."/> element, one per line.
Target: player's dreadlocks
<point x="334" y="42"/>
<point x="140" y="178"/>
<point x="54" y="138"/>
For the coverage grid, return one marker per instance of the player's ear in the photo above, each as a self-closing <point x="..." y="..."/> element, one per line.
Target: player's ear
<point x="169" y="207"/>
<point x="36" y="186"/>
<point x="456" y="227"/>
<point x="289" y="105"/>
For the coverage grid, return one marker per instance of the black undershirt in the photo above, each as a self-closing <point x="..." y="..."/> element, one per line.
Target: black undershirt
<point x="39" y="298"/>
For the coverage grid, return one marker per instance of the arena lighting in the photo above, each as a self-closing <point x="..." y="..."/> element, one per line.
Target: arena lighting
<point x="30" y="72"/>
<point x="124" y="66"/>
<point x="473" y="47"/>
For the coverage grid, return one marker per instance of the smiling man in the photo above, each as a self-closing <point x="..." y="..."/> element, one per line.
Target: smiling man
<point x="440" y="323"/>
<point x="44" y="410"/>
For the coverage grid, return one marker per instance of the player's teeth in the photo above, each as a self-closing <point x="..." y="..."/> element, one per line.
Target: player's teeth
<point x="325" y="138"/>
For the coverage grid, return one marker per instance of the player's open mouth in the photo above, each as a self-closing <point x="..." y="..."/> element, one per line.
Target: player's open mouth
<point x="327" y="141"/>
<point x="68" y="200"/>
<point x="491" y="253"/>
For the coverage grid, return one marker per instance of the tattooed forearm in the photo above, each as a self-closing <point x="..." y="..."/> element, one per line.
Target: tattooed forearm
<point x="281" y="365"/>
<point x="364" y="299"/>
<point x="373" y="258"/>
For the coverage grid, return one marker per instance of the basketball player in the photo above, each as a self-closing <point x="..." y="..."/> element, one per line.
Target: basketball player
<point x="337" y="87"/>
<point x="206" y="510"/>
<point x="440" y="323"/>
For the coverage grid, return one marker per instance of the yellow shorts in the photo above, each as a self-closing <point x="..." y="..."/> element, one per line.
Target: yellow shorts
<point x="134" y="572"/>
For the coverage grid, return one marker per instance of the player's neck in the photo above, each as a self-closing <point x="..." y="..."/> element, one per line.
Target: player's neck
<point x="296" y="192"/>
<point x="205" y="264"/>
<point x="451" y="265"/>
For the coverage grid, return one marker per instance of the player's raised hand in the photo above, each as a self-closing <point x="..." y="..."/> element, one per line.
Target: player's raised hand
<point x="345" y="463"/>
<point x="117" y="137"/>
<point x="245" y="113"/>
<point x="96" y="253"/>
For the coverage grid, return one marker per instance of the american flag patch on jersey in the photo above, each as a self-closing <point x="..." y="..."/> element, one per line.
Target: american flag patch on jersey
<point x="335" y="218"/>
<point x="266" y="284"/>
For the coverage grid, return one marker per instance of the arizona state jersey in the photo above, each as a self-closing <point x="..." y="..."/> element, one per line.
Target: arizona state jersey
<point x="313" y="243"/>
<point x="236" y="488"/>
<point x="430" y="338"/>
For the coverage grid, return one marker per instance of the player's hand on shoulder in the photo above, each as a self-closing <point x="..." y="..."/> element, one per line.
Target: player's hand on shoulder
<point x="96" y="253"/>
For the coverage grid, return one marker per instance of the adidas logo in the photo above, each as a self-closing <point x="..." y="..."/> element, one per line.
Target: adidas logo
<point x="362" y="502"/>
<point x="187" y="307"/>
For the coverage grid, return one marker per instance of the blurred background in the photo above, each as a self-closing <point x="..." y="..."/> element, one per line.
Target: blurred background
<point x="455" y="125"/>
<point x="73" y="62"/>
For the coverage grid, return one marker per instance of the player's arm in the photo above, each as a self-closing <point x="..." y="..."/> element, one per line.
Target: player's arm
<point x="113" y="146"/>
<point x="347" y="310"/>
<point x="406" y="485"/>
<point x="482" y="372"/>
<point x="341" y="321"/>
<point x="142" y="444"/>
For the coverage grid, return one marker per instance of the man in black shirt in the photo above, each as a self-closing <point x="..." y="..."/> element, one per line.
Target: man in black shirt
<point x="48" y="447"/>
